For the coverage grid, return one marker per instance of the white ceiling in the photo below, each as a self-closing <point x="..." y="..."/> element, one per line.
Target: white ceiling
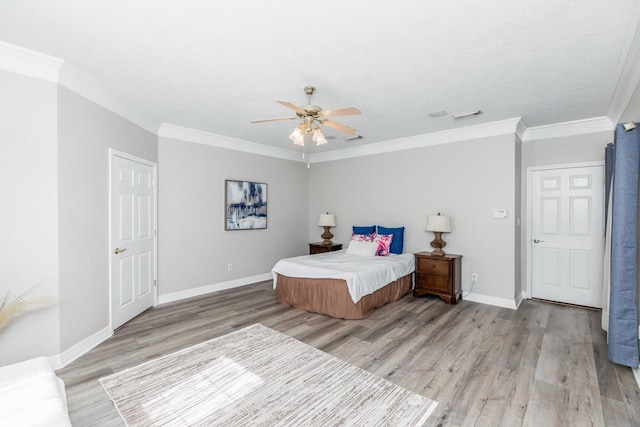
<point x="214" y="66"/>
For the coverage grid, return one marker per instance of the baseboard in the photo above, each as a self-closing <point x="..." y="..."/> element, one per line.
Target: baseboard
<point x="498" y="302"/>
<point x="202" y="290"/>
<point x="71" y="354"/>
<point x="525" y="295"/>
<point x="61" y="360"/>
<point x="636" y="374"/>
<point x="518" y="300"/>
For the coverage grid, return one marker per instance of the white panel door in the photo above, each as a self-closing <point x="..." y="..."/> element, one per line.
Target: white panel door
<point x="132" y="239"/>
<point x="567" y="235"/>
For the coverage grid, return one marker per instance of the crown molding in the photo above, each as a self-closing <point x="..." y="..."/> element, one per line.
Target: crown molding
<point x="564" y="129"/>
<point x="521" y="128"/>
<point x="37" y="65"/>
<point x="168" y="130"/>
<point x="628" y="81"/>
<point x="84" y="85"/>
<point x="502" y="127"/>
<point x="29" y="63"/>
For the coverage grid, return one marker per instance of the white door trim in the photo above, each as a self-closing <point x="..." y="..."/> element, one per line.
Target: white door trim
<point x="528" y="244"/>
<point x="117" y="153"/>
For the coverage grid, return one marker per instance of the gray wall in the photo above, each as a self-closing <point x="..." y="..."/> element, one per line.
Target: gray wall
<point x="464" y="180"/>
<point x="193" y="247"/>
<point x="570" y="149"/>
<point x="28" y="217"/>
<point x="632" y="112"/>
<point x="86" y="131"/>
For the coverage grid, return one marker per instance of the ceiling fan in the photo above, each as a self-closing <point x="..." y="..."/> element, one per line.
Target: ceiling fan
<point x="311" y="117"/>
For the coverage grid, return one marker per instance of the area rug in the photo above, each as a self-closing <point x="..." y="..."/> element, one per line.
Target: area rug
<point x="259" y="377"/>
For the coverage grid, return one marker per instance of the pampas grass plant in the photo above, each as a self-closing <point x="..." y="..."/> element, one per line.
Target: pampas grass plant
<point x="10" y="309"/>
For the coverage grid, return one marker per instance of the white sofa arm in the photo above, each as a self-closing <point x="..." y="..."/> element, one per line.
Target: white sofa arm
<point x="32" y="395"/>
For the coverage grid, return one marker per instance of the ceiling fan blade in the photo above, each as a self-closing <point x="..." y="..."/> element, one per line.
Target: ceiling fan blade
<point x="339" y="127"/>
<point x="295" y="108"/>
<point x="340" y="112"/>
<point x="279" y="119"/>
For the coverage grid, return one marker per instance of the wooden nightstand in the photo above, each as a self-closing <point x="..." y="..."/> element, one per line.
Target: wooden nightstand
<point x="438" y="275"/>
<point x="318" y="248"/>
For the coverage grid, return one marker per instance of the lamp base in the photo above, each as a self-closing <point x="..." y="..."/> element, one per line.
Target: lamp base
<point x="327" y="236"/>
<point x="437" y="244"/>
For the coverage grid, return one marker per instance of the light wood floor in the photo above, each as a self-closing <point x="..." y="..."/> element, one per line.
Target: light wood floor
<point x="542" y="365"/>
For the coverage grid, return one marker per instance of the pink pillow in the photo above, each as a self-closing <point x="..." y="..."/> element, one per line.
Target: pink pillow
<point x="363" y="237"/>
<point x="384" y="243"/>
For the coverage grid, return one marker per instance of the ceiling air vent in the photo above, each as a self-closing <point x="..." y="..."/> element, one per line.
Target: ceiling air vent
<point x="437" y="114"/>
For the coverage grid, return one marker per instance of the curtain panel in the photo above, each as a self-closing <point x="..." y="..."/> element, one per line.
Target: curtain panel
<point x="623" y="303"/>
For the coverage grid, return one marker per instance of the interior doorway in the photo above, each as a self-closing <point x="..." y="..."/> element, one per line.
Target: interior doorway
<point x="132" y="233"/>
<point x="567" y="233"/>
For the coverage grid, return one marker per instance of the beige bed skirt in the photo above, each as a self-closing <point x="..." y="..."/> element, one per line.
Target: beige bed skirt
<point x="331" y="296"/>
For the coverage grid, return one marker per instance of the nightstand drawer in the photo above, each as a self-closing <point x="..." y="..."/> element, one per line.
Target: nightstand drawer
<point x="320" y="248"/>
<point x="433" y="266"/>
<point x="433" y="283"/>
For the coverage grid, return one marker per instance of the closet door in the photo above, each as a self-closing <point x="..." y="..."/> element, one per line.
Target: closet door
<point x="567" y="231"/>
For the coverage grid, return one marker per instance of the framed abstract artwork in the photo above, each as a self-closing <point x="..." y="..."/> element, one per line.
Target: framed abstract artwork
<point x="245" y="205"/>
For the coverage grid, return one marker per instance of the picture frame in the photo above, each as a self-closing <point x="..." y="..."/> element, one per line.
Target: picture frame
<point x="245" y="205"/>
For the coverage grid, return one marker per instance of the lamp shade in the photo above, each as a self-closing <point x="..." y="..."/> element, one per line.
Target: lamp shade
<point x="327" y="220"/>
<point x="439" y="223"/>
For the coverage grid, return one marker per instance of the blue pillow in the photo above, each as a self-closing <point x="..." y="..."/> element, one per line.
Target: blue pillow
<point x="397" y="244"/>
<point x="364" y="229"/>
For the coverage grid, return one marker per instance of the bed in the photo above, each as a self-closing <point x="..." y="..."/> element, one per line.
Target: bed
<point x="342" y="285"/>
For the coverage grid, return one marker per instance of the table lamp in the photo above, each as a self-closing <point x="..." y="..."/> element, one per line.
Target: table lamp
<point x="327" y="221"/>
<point x="438" y="224"/>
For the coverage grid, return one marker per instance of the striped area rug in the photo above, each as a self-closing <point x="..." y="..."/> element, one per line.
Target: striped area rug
<point x="259" y="377"/>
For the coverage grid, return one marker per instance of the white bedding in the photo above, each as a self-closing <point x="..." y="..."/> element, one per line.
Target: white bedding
<point x="363" y="274"/>
<point x="32" y="395"/>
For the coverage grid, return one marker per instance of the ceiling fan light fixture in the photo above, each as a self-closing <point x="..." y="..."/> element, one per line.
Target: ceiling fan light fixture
<point x="312" y="117"/>
<point x="318" y="137"/>
<point x="297" y="136"/>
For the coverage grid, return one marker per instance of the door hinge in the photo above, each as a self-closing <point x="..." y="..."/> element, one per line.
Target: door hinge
<point x="155" y="233"/>
<point x="155" y="283"/>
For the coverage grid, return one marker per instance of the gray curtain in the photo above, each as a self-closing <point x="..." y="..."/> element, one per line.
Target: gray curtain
<point x="623" y="305"/>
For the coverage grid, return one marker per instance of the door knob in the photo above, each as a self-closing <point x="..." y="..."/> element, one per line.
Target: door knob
<point x="119" y="251"/>
<point x="534" y="241"/>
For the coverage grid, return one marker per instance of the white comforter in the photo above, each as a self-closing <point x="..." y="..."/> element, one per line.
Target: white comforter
<point x="32" y="395"/>
<point x="364" y="275"/>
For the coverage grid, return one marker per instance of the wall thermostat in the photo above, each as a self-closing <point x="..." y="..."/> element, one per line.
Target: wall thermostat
<point x="500" y="213"/>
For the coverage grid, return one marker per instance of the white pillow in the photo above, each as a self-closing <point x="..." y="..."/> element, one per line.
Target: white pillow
<point x="357" y="247"/>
